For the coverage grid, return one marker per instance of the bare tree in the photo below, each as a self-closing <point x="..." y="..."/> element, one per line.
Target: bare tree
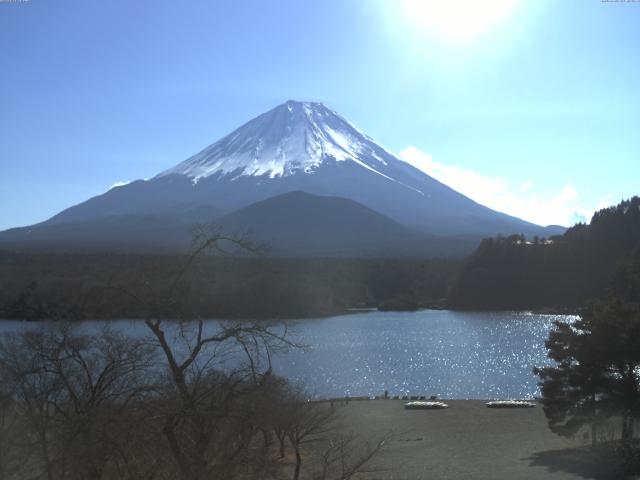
<point x="308" y="423"/>
<point x="192" y="399"/>
<point x="347" y="455"/>
<point x="312" y="432"/>
<point x="71" y="389"/>
<point x="212" y="369"/>
<point x="10" y="455"/>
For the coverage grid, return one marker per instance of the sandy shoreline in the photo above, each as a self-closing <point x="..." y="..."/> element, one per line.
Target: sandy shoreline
<point x="468" y="441"/>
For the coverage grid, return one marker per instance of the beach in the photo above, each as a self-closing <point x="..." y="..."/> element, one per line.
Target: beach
<point x="468" y="441"/>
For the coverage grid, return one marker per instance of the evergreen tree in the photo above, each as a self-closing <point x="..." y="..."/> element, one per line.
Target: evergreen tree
<point x="562" y="272"/>
<point x="597" y="372"/>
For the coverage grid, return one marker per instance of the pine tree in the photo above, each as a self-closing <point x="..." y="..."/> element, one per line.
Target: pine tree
<point x="597" y="372"/>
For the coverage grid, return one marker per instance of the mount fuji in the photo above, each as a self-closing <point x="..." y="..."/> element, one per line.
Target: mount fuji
<point x="295" y="147"/>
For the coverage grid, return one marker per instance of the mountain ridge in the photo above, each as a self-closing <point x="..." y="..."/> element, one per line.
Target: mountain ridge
<point x="299" y="146"/>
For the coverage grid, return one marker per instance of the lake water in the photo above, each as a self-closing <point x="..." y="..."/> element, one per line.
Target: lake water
<point x="481" y="355"/>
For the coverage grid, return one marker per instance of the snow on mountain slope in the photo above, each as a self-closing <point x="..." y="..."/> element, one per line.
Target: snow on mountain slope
<point x="295" y="137"/>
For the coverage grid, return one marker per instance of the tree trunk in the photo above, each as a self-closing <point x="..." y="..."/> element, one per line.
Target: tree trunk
<point x="625" y="427"/>
<point x="45" y="455"/>
<point x="594" y="432"/>
<point x="176" y="451"/>
<point x="296" y="473"/>
<point x="266" y="436"/>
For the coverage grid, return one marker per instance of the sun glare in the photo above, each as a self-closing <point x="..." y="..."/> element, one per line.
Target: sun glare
<point x="457" y="19"/>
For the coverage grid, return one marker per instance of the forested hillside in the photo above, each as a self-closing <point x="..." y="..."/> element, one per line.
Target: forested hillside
<point x="128" y="286"/>
<point x="560" y="272"/>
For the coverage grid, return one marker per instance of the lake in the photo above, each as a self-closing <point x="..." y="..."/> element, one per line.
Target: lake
<point x="481" y="355"/>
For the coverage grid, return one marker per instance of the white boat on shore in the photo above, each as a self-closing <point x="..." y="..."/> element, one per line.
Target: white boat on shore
<point x="421" y="405"/>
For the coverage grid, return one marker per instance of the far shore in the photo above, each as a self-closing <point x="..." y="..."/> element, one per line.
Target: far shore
<point x="312" y="315"/>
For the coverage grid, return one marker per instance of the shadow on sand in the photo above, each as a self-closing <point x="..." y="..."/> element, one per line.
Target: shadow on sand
<point x="600" y="464"/>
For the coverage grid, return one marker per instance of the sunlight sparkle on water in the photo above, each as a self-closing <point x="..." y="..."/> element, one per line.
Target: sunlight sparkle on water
<point x="450" y="354"/>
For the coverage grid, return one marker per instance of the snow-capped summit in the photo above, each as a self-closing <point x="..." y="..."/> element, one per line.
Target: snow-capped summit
<point x="295" y="137"/>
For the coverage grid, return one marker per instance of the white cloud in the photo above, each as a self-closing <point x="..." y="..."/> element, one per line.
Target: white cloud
<point x="548" y="208"/>
<point x="526" y="186"/>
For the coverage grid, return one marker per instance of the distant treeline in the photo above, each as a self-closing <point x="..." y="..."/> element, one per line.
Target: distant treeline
<point x="558" y="273"/>
<point x="38" y="286"/>
<point x="588" y="261"/>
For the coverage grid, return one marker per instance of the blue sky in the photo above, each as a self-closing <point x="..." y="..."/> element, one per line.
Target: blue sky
<point x="534" y="111"/>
